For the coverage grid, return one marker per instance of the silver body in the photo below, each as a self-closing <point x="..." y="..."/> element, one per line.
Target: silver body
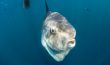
<point x="58" y="36"/>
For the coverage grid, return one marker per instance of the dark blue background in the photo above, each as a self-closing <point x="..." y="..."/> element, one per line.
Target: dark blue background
<point x="20" y="32"/>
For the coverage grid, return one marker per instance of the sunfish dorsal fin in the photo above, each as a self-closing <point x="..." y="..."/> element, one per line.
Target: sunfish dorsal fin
<point x="47" y="8"/>
<point x="26" y="4"/>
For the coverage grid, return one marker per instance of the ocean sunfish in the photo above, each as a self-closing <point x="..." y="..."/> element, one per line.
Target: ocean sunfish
<point x="58" y="35"/>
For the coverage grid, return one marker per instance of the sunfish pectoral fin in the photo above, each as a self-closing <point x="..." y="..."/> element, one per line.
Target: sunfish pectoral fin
<point x="26" y="4"/>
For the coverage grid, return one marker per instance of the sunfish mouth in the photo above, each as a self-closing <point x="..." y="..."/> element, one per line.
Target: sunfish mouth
<point x="58" y="36"/>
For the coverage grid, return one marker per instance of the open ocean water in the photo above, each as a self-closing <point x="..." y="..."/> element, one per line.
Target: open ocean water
<point x="20" y="32"/>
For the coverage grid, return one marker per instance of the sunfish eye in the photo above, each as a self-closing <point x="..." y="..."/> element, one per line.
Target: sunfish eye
<point x="52" y="31"/>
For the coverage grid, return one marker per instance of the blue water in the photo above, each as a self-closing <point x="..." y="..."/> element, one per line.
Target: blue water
<point x="20" y="32"/>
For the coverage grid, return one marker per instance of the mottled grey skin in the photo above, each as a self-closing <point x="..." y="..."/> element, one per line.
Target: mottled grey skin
<point x="58" y="36"/>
